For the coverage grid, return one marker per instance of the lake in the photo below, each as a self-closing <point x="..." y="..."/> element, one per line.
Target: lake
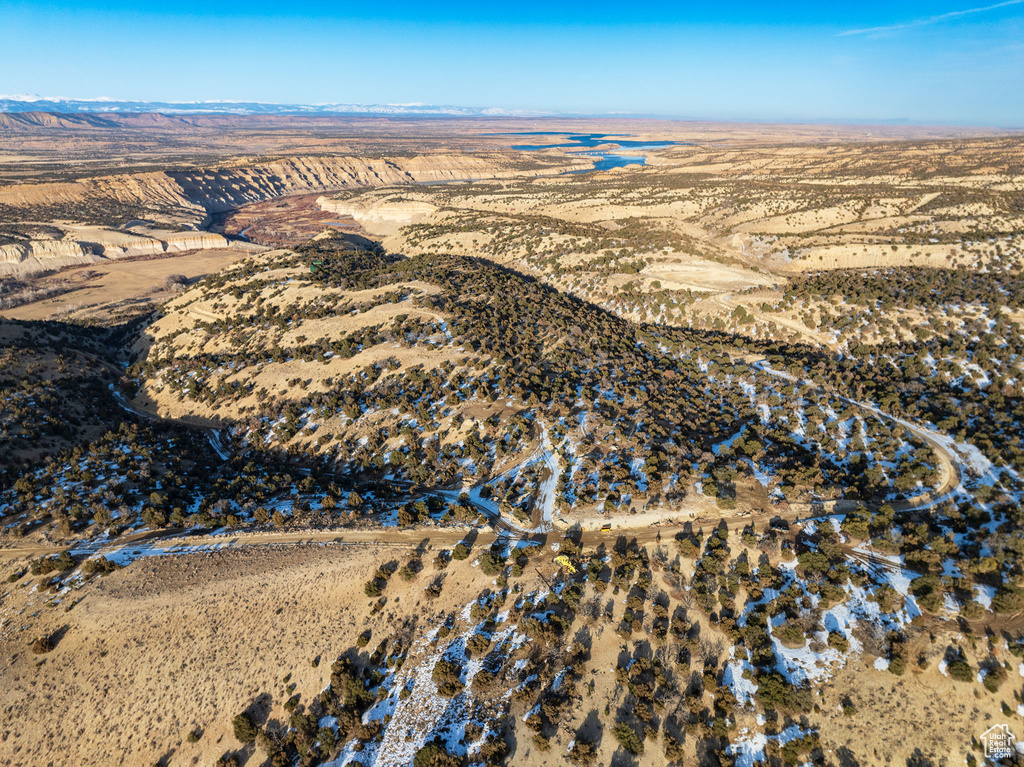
<point x="604" y="159"/>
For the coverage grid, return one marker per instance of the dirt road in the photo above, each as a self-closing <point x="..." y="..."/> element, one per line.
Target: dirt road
<point x="179" y="541"/>
<point x="951" y="469"/>
<point x="176" y="541"/>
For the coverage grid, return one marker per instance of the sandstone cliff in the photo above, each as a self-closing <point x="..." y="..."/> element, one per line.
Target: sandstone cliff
<point x="23" y="258"/>
<point x="188" y="198"/>
<point x="380" y="216"/>
<point x="219" y="189"/>
<point x="93" y="245"/>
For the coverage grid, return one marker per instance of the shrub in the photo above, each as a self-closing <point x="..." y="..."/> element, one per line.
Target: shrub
<point x="494" y="750"/>
<point x="42" y="645"/>
<point x="971" y="610"/>
<point x="791" y="634"/>
<point x="245" y="728"/>
<point x="960" y="670"/>
<point x="687" y="548"/>
<point x="582" y="752"/>
<point x="889" y="599"/>
<point x="791" y="751"/>
<point x="897" y="666"/>
<point x="775" y="692"/>
<point x="838" y="641"/>
<point x="1008" y="599"/>
<point x="101" y="565"/>
<point x="175" y="282"/>
<point x="673" y="748"/>
<point x="491" y="563"/>
<point x="408" y="571"/>
<point x="328" y="740"/>
<point x="435" y="755"/>
<point x="628" y="739"/>
<point x="992" y="681"/>
<point x="446" y="676"/>
<point x="928" y="590"/>
<point x="478" y="644"/>
<point x="47" y="565"/>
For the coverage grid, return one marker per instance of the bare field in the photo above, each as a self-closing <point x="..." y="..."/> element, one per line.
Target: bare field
<point x="173" y="645"/>
<point x="101" y="289"/>
<point x="176" y="643"/>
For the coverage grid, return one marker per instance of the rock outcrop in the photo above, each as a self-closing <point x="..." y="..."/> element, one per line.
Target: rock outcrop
<point x="214" y="190"/>
<point x="23" y="258"/>
<point x="380" y="216"/>
<point x="189" y="198"/>
<point x="94" y="245"/>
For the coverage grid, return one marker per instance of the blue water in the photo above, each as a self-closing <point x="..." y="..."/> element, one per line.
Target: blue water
<point x="605" y="159"/>
<point x="608" y="160"/>
<point x="590" y="140"/>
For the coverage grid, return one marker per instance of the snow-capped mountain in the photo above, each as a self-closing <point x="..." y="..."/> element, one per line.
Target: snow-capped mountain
<point x="33" y="103"/>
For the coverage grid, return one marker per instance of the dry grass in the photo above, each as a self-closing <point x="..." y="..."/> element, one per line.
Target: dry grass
<point x="174" y="643"/>
<point x="99" y="289"/>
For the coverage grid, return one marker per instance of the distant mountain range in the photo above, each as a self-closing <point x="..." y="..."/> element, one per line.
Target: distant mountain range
<point x="33" y="103"/>
<point x="55" y="108"/>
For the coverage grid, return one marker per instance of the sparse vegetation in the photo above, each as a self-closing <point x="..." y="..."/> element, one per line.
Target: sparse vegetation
<point x="789" y="378"/>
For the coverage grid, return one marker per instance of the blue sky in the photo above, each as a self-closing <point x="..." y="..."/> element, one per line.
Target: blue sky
<point x="926" y="62"/>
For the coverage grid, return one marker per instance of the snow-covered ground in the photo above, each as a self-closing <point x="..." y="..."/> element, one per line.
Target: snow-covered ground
<point x="749" y="748"/>
<point x="546" y="491"/>
<point x="424" y="714"/>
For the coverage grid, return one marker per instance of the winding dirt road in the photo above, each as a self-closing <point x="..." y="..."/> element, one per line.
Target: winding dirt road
<point x="178" y="541"/>
<point x="951" y="468"/>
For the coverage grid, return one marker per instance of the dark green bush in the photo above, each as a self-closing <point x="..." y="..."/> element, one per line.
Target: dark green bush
<point x="245" y="728"/>
<point x="628" y="739"/>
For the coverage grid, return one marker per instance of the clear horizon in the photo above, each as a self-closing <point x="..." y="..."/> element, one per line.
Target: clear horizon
<point x="921" y="63"/>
